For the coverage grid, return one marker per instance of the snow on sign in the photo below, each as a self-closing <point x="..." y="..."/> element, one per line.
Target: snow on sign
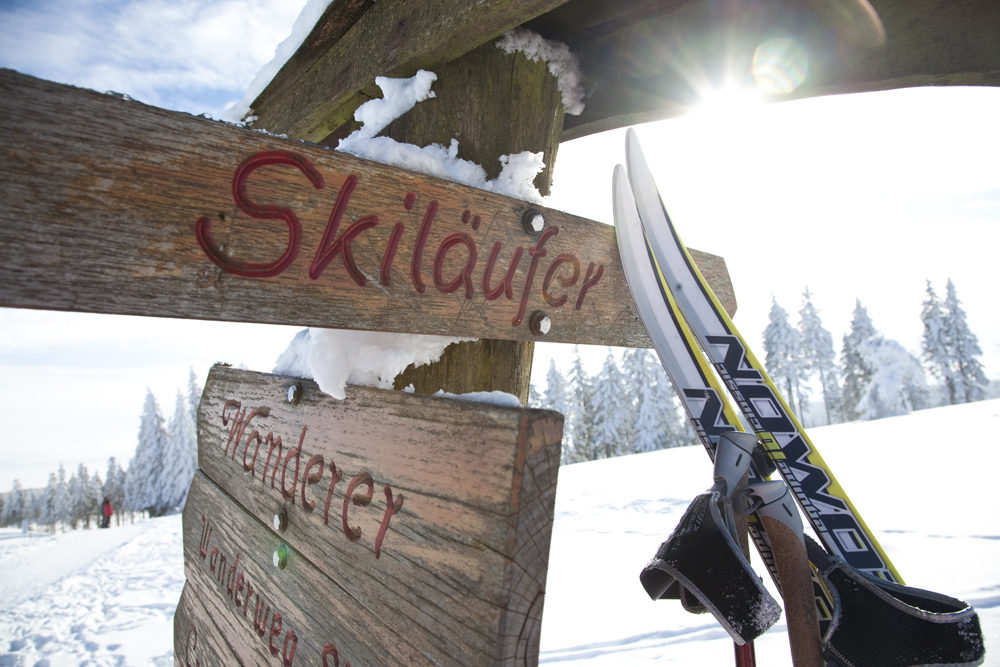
<point x="112" y="206"/>
<point x="385" y="529"/>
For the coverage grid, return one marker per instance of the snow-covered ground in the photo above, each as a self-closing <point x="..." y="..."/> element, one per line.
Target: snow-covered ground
<point x="107" y="597"/>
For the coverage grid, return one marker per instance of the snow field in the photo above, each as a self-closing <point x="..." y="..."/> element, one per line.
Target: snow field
<point x="107" y="597"/>
<point x="95" y="597"/>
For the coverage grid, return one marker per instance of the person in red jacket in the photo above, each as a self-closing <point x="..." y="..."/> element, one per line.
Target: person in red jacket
<point x="106" y="510"/>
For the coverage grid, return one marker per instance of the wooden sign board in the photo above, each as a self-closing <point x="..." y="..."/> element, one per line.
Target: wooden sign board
<point x="111" y="206"/>
<point x="416" y="528"/>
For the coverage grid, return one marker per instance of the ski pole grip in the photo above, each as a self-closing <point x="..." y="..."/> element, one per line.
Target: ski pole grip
<point x="795" y="574"/>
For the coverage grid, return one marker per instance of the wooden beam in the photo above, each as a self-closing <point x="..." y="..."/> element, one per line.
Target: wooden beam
<point x="104" y="199"/>
<point x="660" y="65"/>
<point x="440" y="558"/>
<point x="392" y="38"/>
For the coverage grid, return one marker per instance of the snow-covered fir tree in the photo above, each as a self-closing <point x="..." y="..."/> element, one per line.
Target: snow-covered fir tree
<point x="557" y="397"/>
<point x="818" y="357"/>
<point x="657" y="420"/>
<point x="81" y="498"/>
<point x="881" y="379"/>
<point x="96" y="495"/>
<point x="970" y="381"/>
<point x="534" y="398"/>
<point x="579" y="417"/>
<point x="144" y="491"/>
<point x="193" y="396"/>
<point x="114" y="488"/>
<point x="49" y="514"/>
<point x="934" y="344"/>
<point x="781" y="347"/>
<point x="857" y="373"/>
<point x="15" y="507"/>
<point x="611" y="409"/>
<point x="63" y="506"/>
<point x="121" y="485"/>
<point x="180" y="457"/>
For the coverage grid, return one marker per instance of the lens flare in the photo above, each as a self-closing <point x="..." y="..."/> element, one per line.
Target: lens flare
<point x="780" y="65"/>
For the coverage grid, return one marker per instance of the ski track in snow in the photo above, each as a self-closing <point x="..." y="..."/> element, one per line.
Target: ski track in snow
<point x="108" y="597"/>
<point x="93" y="597"/>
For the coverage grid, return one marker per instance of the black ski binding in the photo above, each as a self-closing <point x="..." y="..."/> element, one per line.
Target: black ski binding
<point x="877" y="623"/>
<point x="703" y="566"/>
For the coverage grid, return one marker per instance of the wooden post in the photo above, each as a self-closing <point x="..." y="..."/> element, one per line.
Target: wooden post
<point x="494" y="104"/>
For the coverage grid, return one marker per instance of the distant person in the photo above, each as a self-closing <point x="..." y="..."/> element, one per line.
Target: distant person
<point x="106" y="510"/>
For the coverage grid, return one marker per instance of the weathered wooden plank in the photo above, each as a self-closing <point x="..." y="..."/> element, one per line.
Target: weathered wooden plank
<point x="104" y="199"/>
<point x="393" y="38"/>
<point x="460" y="567"/>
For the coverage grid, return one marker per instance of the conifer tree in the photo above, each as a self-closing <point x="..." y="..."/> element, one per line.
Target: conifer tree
<point x="95" y="496"/>
<point x="180" y="457"/>
<point x="193" y="396"/>
<point x="73" y="507"/>
<point x="81" y="497"/>
<point x="657" y="420"/>
<point x="557" y="398"/>
<point x="534" y="398"/>
<point x="15" y="508"/>
<point x="934" y="344"/>
<point x="881" y="379"/>
<point x="817" y="356"/>
<point x="50" y="504"/>
<point x="963" y="347"/>
<point x="579" y="417"/>
<point x="121" y="485"/>
<point x="857" y="372"/>
<point x="145" y="489"/>
<point x="611" y="410"/>
<point x="781" y="346"/>
<point x="63" y="506"/>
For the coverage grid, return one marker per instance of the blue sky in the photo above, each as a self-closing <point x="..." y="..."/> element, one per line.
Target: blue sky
<point x="857" y="196"/>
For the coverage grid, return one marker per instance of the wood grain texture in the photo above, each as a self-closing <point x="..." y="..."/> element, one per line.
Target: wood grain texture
<point x="102" y="197"/>
<point x="461" y="569"/>
<point x="498" y="105"/>
<point x="392" y="38"/>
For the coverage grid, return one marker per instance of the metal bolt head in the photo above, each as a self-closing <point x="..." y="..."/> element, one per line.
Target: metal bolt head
<point x="540" y="323"/>
<point x="533" y="221"/>
<point x="294" y="393"/>
<point x="280" y="557"/>
<point x="281" y="520"/>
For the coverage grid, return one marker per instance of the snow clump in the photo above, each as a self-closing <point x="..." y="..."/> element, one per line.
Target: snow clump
<point x="303" y="25"/>
<point x="398" y="97"/>
<point x="501" y="398"/>
<point x="516" y="178"/>
<point x="336" y="357"/>
<point x="563" y="63"/>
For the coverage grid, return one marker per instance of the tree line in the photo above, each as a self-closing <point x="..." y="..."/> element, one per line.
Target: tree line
<point x="630" y="406"/>
<point x="623" y="409"/>
<point x="155" y="482"/>
<point x="876" y="377"/>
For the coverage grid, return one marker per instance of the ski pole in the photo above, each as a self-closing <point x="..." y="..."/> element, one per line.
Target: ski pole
<point x="783" y="524"/>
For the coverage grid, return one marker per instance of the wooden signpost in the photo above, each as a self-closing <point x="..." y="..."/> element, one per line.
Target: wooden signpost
<point x="384" y="529"/>
<point x="112" y="206"/>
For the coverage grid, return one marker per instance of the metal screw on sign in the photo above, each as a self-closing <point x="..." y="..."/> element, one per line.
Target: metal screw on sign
<point x="294" y="393"/>
<point x="280" y="558"/>
<point x="533" y="221"/>
<point x="540" y="323"/>
<point x="281" y="520"/>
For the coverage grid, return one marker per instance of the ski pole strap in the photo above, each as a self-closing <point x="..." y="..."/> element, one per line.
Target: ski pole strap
<point x="702" y="559"/>
<point x="878" y="623"/>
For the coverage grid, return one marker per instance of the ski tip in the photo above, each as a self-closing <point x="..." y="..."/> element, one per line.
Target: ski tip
<point x="634" y="156"/>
